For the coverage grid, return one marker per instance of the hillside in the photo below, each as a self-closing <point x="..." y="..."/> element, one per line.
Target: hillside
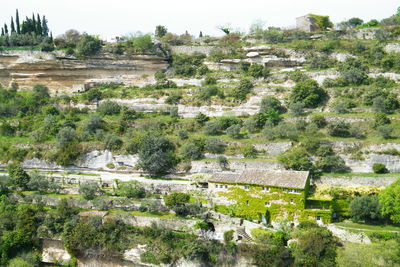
<point x="245" y="150"/>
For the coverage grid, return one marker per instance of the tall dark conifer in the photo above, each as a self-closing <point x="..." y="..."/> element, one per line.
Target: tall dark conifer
<point x="17" y="22"/>
<point x="45" y="28"/>
<point x="39" y="29"/>
<point x="34" y="26"/>
<point x="5" y="29"/>
<point x="12" y="26"/>
<point x="2" y="31"/>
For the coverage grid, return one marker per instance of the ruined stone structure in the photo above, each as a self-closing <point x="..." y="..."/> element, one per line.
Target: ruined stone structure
<point x="306" y="23"/>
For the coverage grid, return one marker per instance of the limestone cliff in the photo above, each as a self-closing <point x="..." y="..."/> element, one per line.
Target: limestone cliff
<point x="68" y="74"/>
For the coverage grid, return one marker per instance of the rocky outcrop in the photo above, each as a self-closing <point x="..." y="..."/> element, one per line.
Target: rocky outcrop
<point x="213" y="166"/>
<point x="347" y="181"/>
<point x="347" y="236"/>
<point x="63" y="73"/>
<point x="104" y="159"/>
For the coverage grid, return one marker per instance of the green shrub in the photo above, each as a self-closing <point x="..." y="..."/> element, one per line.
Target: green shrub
<point x="308" y="92"/>
<point x="89" y="190"/>
<point x="385" y="131"/>
<point x="234" y="131"/>
<point x="109" y="108"/>
<point x="340" y="129"/>
<point x="113" y="142"/>
<point x="258" y="71"/>
<point x="191" y="152"/>
<point x="176" y="199"/>
<point x="18" y="176"/>
<point x="88" y="46"/>
<point x="214" y="145"/>
<point x="271" y="102"/>
<point x="132" y="190"/>
<point x="379" y="168"/>
<point x="243" y="89"/>
<point x="365" y="208"/>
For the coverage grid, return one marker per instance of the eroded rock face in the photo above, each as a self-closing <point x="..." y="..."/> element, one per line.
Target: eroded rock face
<point x="103" y="159"/>
<point x="68" y="74"/>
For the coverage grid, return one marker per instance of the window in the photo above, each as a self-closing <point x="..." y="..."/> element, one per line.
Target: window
<point x="284" y="189"/>
<point x="290" y="190"/>
<point x="226" y="186"/>
<point x="318" y="218"/>
<point x="291" y="201"/>
<point x="247" y="202"/>
<point x="267" y="204"/>
<point x="246" y="187"/>
<point x="265" y="188"/>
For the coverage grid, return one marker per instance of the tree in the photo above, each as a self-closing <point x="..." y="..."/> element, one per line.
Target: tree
<point x="389" y="198"/>
<point x="109" y="108"/>
<point x="12" y="26"/>
<point x="353" y="71"/>
<point x="234" y="131"/>
<point x="93" y="123"/>
<point x="161" y="31"/>
<point x="308" y="92"/>
<point x="269" y="102"/>
<point x="156" y="154"/>
<point x="113" y="142"/>
<point x="381" y="119"/>
<point x="192" y="152"/>
<point x="354" y="22"/>
<point x="176" y="199"/>
<point x="65" y="136"/>
<point x="385" y="131"/>
<point x="315" y="246"/>
<point x="88" y="45"/>
<point x="365" y="208"/>
<point x="18" y="176"/>
<point x="214" y="145"/>
<point x="17" y="22"/>
<point x="132" y="190"/>
<point x="340" y="129"/>
<point x="331" y="163"/>
<point x="45" y="28"/>
<point x="240" y="92"/>
<point x="258" y="71"/>
<point x="89" y="190"/>
<point x="296" y="159"/>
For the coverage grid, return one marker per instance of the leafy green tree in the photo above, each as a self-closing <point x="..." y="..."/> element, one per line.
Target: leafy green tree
<point x="271" y="102"/>
<point x="381" y="119"/>
<point x="161" y="31"/>
<point x="65" y="136"/>
<point x="17" y="175"/>
<point x="365" y="208"/>
<point x="308" y="92"/>
<point x="341" y="129"/>
<point x="214" y="145"/>
<point x="258" y="71"/>
<point x="243" y="89"/>
<point x="192" y="152"/>
<point x="176" y="199"/>
<point x="156" y="154"/>
<point x="353" y="71"/>
<point x="385" y="131"/>
<point x="88" y="45"/>
<point x="354" y="22"/>
<point x="89" y="190"/>
<point x="113" y="142"/>
<point x="315" y="246"/>
<point x="390" y="201"/>
<point x="93" y="123"/>
<point x="296" y="159"/>
<point x="234" y="131"/>
<point x="332" y="163"/>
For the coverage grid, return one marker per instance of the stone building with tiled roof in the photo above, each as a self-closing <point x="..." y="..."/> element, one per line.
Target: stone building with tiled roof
<point x="265" y="195"/>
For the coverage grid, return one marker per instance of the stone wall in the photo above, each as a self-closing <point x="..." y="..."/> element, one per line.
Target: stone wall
<point x="185" y="49"/>
<point x="346" y="181"/>
<point x="213" y="166"/>
<point x="63" y="73"/>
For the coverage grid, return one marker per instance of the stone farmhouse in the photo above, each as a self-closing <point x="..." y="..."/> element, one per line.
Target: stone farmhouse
<point x="266" y="196"/>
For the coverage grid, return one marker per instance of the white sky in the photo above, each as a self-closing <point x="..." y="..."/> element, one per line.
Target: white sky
<point x="118" y="17"/>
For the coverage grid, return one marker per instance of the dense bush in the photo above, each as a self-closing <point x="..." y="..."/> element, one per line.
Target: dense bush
<point x="243" y="89"/>
<point x="192" y="152"/>
<point x="271" y="102"/>
<point x="109" y="108"/>
<point x="258" y="71"/>
<point x="187" y="65"/>
<point x="18" y="176"/>
<point x="296" y="159"/>
<point x="131" y="190"/>
<point x="112" y="142"/>
<point x="340" y="129"/>
<point x="89" y="190"/>
<point x="214" y="145"/>
<point x="379" y="168"/>
<point x="176" y="199"/>
<point x="309" y="93"/>
<point x="234" y="131"/>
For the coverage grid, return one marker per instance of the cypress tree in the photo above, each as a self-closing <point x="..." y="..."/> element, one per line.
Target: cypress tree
<point x="201" y="34"/>
<point x="34" y="26"/>
<point x="45" y="28"/>
<point x="12" y="25"/>
<point x="5" y="29"/>
<point x="2" y="31"/>
<point x="39" y="25"/>
<point x="17" y="22"/>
